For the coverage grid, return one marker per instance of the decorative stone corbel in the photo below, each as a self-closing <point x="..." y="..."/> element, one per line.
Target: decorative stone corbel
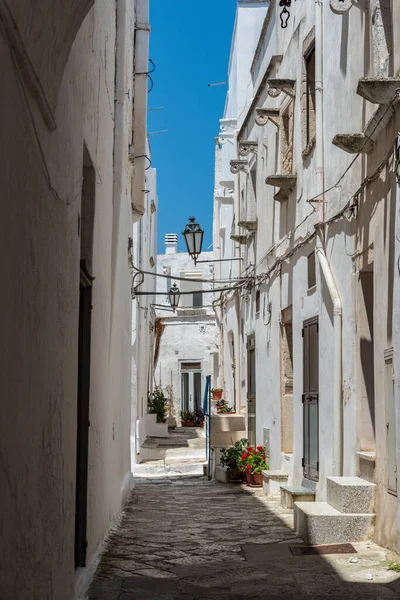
<point x="353" y="143"/>
<point x="276" y="86"/>
<point x="286" y="183"/>
<point x="246" y="146"/>
<point x="379" y="90"/>
<point x="265" y="114"/>
<point x="340" y="7"/>
<point x="238" y="165"/>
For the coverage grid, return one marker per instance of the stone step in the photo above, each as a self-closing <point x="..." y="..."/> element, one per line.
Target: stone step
<point x="351" y="494"/>
<point x="291" y="494"/>
<point x="320" y="523"/>
<point x="272" y="481"/>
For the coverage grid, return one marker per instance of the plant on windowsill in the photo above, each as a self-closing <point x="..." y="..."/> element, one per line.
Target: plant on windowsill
<point x="252" y="462"/>
<point x="188" y="418"/>
<point x="157" y="404"/>
<point x="222" y="407"/>
<point x="230" y="458"/>
<point x="216" y="393"/>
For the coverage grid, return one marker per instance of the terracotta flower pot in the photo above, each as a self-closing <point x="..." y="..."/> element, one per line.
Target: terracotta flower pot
<point x="188" y="424"/>
<point x="249" y="478"/>
<point x="217" y="394"/>
<point x="258" y="479"/>
<point x="235" y="476"/>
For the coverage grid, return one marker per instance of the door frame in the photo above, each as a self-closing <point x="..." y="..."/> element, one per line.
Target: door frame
<point x="191" y="373"/>
<point x="310" y="398"/>
<point x="83" y="423"/>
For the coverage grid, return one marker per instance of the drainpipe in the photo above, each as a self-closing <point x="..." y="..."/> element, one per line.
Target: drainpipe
<point x="319" y="106"/>
<point x="337" y="364"/>
<point x="139" y="146"/>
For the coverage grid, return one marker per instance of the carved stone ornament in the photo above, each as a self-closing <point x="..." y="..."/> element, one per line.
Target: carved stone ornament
<point x="340" y="6"/>
<point x="276" y="86"/>
<point x="238" y="165"/>
<point x="261" y="116"/>
<point x="246" y="147"/>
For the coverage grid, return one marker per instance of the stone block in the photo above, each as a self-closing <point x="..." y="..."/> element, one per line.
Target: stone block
<point x="351" y="494"/>
<point x="221" y="474"/>
<point x="366" y="466"/>
<point x="272" y="481"/>
<point x="292" y="494"/>
<point x="320" y="523"/>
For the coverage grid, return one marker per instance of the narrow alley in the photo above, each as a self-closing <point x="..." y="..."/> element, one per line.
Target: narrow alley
<point x="189" y="538"/>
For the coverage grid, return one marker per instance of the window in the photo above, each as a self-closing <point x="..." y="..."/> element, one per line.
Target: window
<point x="258" y="296"/>
<point x="194" y="299"/>
<point x="251" y="368"/>
<point x="286" y="140"/>
<point x="253" y="175"/>
<point x="309" y="99"/>
<point x="311" y="276"/>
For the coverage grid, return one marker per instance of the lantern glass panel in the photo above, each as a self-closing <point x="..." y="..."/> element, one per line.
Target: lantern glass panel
<point x="189" y="237"/>
<point x="198" y="241"/>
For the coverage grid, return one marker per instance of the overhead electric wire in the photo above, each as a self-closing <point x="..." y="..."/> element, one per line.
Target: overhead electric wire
<point x="177" y="278"/>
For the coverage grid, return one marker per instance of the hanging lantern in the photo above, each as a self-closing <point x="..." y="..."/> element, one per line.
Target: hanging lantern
<point x="174" y="295"/>
<point x="285" y="14"/>
<point x="193" y="235"/>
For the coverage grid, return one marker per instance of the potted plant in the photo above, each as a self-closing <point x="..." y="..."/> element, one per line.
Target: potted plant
<point x="188" y="418"/>
<point x="225" y="409"/>
<point x="199" y="417"/>
<point x="216" y="393"/>
<point x="253" y="463"/>
<point x="157" y="404"/>
<point x="230" y="458"/>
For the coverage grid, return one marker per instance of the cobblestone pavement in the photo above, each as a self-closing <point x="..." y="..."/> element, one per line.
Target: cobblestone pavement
<point x="191" y="539"/>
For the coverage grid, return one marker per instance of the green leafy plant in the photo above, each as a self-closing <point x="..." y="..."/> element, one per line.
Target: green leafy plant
<point x="253" y="460"/>
<point x="394" y="566"/>
<point x="216" y="389"/>
<point x="157" y="404"/>
<point x="230" y="457"/>
<point x="187" y="416"/>
<point x="225" y="409"/>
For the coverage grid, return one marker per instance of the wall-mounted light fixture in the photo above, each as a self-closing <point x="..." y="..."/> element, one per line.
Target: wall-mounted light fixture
<point x="285" y="14"/>
<point x="193" y="235"/>
<point x="174" y="294"/>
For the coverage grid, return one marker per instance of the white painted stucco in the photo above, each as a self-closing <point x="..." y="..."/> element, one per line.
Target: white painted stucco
<point x="60" y="62"/>
<point x="189" y="334"/>
<point x="275" y="256"/>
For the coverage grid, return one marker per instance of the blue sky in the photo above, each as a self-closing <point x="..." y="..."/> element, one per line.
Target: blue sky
<point x="190" y="45"/>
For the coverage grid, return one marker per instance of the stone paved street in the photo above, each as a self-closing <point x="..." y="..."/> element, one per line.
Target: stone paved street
<point x="189" y="539"/>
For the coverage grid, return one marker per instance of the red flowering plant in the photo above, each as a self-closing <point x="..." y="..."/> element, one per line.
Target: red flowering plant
<point x="253" y="460"/>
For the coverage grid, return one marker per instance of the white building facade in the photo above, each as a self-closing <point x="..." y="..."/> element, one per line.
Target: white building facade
<point x="185" y="340"/>
<point x="73" y="121"/>
<point x="306" y="197"/>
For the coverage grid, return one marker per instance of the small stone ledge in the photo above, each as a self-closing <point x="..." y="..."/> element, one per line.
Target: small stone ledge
<point x="272" y="483"/>
<point x="353" y="143"/>
<point x="249" y="225"/>
<point x="286" y="183"/>
<point x="378" y="90"/>
<point x="240" y="239"/>
<point x="265" y="114"/>
<point x="275" y="475"/>
<point x="276" y="86"/>
<point x="370" y="456"/>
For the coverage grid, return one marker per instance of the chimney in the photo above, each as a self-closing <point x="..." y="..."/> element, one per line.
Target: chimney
<point x="171" y="243"/>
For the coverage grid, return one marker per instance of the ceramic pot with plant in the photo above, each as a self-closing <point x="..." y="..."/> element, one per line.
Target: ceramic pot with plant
<point x="157" y="404"/>
<point x="253" y="463"/>
<point x="188" y="418"/>
<point x="216" y="393"/>
<point x="199" y="417"/>
<point x="230" y="458"/>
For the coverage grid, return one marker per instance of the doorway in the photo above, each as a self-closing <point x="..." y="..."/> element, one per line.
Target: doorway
<point x="310" y="400"/>
<point x="86" y="223"/>
<point x="366" y="359"/>
<point x="191" y="386"/>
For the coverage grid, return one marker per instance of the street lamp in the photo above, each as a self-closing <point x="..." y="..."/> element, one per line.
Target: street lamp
<point x="193" y="235"/>
<point x="174" y="295"/>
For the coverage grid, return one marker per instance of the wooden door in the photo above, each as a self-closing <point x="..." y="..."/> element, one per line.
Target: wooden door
<point x="310" y="400"/>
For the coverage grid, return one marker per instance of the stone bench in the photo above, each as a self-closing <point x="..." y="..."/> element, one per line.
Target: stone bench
<point x="272" y="481"/>
<point x="291" y="494"/>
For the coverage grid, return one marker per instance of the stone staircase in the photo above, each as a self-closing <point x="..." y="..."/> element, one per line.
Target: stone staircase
<point x="347" y="516"/>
